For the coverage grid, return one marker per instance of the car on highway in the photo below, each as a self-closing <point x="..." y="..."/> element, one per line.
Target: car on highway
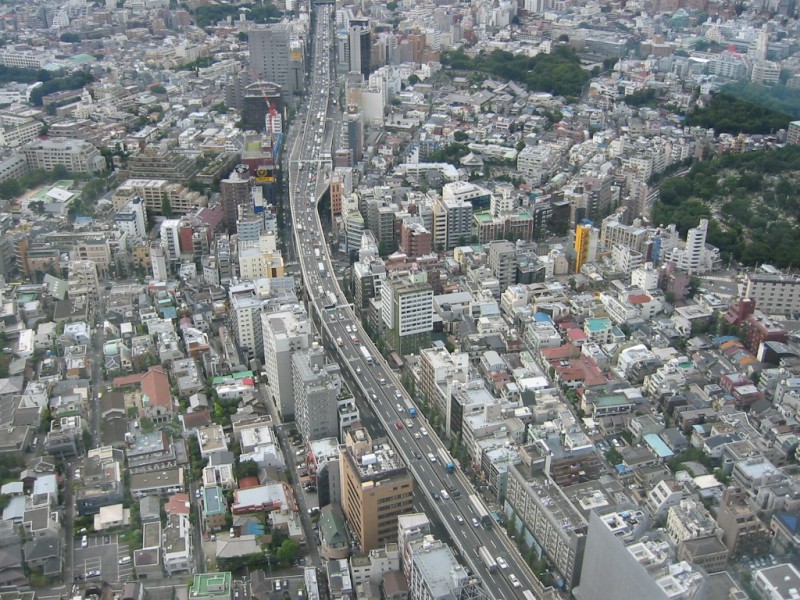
<point x="444" y="495"/>
<point x="418" y="456"/>
<point x="409" y="423"/>
<point x="431" y="457"/>
<point x="423" y="431"/>
<point x="417" y="435"/>
<point x="398" y="424"/>
<point x="374" y="397"/>
<point x="400" y="408"/>
<point x="460" y="519"/>
<point x="501" y="562"/>
<point x="475" y="522"/>
<point x="514" y="581"/>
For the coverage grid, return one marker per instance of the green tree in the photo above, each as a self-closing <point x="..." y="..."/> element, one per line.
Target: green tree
<point x="70" y="38"/>
<point x="460" y="136"/>
<point x="287" y="552"/>
<point x="158" y="89"/>
<point x="166" y="205"/>
<point x="245" y="468"/>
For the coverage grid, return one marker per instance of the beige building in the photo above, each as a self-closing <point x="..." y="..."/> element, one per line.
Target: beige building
<point x="83" y="280"/>
<point x="153" y="191"/>
<point x="376" y="489"/>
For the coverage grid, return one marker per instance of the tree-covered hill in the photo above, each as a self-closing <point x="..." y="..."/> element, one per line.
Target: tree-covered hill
<point x="752" y="201"/>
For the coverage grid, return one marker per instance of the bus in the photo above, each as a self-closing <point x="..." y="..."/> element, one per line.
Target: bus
<point x="316" y="252"/>
<point x="480" y="510"/>
<point x="321" y="267"/>
<point x="331" y="300"/>
<point x="528" y="595"/>
<point x="365" y="354"/>
<point x="487" y="559"/>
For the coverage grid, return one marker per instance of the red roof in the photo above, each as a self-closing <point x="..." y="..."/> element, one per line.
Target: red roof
<point x="155" y="385"/>
<point x="639" y="298"/>
<point x="178" y="504"/>
<point x="576" y="335"/>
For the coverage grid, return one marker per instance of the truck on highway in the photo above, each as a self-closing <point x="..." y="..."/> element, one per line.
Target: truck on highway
<point x="365" y="355"/>
<point x="487" y="559"/>
<point x="447" y="460"/>
<point x="480" y="510"/>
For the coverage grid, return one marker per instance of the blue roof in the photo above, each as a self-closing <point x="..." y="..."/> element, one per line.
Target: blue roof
<point x="168" y="312"/>
<point x="790" y="521"/>
<point x="622" y="469"/>
<point x="541" y="317"/>
<point x="658" y="446"/>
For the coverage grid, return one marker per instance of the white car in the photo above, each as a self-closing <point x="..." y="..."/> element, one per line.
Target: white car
<point x="475" y="522"/>
<point x="514" y="581"/>
<point x="84" y="542"/>
<point x="444" y="495"/>
<point x="423" y="431"/>
<point x="409" y="423"/>
<point x="417" y="435"/>
<point x="501" y="562"/>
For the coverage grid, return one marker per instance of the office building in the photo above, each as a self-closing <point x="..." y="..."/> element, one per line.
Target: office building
<point x="235" y="191"/>
<point x="317" y="387"/>
<point x="439" y="371"/>
<point x="284" y="332"/>
<point x="407" y="311"/>
<point x="359" y="36"/>
<point x="272" y="57"/>
<point x="376" y="489"/>
<point x="435" y="572"/>
<point x="743" y="531"/>
<point x="76" y="156"/>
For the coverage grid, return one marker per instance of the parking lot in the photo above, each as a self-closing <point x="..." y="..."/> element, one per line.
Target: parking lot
<point x="99" y="561"/>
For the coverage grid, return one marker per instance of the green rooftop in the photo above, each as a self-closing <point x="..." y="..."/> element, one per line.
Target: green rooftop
<point x="483" y="217"/>
<point x="606" y="401"/>
<point x="598" y="324"/>
<point x="211" y="585"/>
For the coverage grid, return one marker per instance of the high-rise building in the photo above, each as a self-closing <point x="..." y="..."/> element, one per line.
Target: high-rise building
<point x="317" y="386"/>
<point x="234" y="192"/>
<point x="586" y="237"/>
<point x="502" y="258"/>
<point x="284" y="332"/>
<point x="376" y="489"/>
<point x="132" y="218"/>
<point x="439" y="370"/>
<point x="452" y="222"/>
<point x="360" y="46"/>
<point x="690" y="257"/>
<point x="774" y="293"/>
<point x="271" y="56"/>
<point x="546" y="513"/>
<point x="158" y="258"/>
<point x="245" y="323"/>
<point x="83" y="280"/>
<point x="435" y="572"/>
<point x="407" y="311"/>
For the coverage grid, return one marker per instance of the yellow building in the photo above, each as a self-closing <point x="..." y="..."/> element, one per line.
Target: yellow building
<point x="585" y="245"/>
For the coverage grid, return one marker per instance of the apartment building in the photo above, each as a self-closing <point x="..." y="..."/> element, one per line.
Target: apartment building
<point x="317" y="387"/>
<point x="76" y="156"/>
<point x="774" y="293"/>
<point x="284" y="332"/>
